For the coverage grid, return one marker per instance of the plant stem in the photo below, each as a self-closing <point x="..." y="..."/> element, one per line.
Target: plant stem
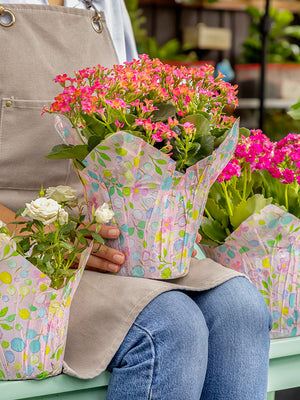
<point x="286" y="197"/>
<point x="227" y="198"/>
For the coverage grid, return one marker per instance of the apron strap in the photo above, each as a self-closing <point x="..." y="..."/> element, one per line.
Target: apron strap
<point x="96" y="18"/>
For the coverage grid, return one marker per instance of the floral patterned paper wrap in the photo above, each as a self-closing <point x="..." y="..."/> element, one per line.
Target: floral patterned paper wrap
<point x="158" y="209"/>
<point x="266" y="248"/>
<point x="33" y="318"/>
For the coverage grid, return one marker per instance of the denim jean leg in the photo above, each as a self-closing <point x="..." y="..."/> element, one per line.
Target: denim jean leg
<point x="164" y="355"/>
<point x="238" y="351"/>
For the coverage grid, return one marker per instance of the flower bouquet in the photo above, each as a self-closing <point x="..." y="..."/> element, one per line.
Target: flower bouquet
<point x="251" y="222"/>
<point x="37" y="284"/>
<point x="149" y="139"/>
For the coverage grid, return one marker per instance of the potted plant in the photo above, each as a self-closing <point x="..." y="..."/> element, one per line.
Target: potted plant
<point x="149" y="139"/>
<point x="251" y="222"/>
<point x="283" y="56"/>
<point x="38" y="284"/>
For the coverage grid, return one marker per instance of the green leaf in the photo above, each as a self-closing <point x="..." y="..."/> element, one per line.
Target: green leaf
<point x="161" y="162"/>
<point x="121" y="151"/>
<point x="247" y="208"/>
<point x="3" y="312"/>
<point x="93" y="142"/>
<point x="158" y="170"/>
<point x="6" y="327"/>
<point x="97" y="237"/>
<point x="200" y="122"/>
<point x="244" y="132"/>
<point x="216" y="212"/>
<point x="43" y="374"/>
<point x="213" y="230"/>
<point x="6" y="250"/>
<point x="164" y="112"/>
<point x="142" y="224"/>
<point x="10" y="318"/>
<point x="63" y="151"/>
<point x="104" y="156"/>
<point x="165" y="253"/>
<point x="207" y="145"/>
<point x="130" y="231"/>
<point x="93" y="126"/>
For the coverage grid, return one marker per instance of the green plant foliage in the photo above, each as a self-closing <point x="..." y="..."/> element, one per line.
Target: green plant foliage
<point x="282" y="43"/>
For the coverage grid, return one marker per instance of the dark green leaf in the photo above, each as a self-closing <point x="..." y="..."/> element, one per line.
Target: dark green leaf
<point x="200" y="122"/>
<point x="164" y="112"/>
<point x="213" y="230"/>
<point x="63" y="151"/>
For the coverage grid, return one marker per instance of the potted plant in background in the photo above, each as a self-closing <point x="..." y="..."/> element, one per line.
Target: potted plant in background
<point x="149" y="139"/>
<point x="38" y="284"/>
<point x="251" y="222"/>
<point x="283" y="56"/>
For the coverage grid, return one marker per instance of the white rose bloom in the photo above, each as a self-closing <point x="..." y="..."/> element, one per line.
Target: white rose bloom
<point x="103" y="214"/>
<point x="61" y="193"/>
<point x="6" y="239"/>
<point x="63" y="217"/>
<point x="43" y="209"/>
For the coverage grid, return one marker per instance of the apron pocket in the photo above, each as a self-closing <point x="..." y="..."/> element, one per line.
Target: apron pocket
<point x="22" y="162"/>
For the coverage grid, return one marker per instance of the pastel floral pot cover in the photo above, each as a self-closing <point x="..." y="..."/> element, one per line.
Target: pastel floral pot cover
<point x="33" y="318"/>
<point x="158" y="209"/>
<point x="266" y="247"/>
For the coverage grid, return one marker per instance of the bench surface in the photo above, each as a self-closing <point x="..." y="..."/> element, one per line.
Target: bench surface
<point x="284" y="373"/>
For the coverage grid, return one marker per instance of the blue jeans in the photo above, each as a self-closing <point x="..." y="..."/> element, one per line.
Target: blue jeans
<point x="211" y="345"/>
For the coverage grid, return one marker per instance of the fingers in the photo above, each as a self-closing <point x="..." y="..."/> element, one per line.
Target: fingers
<point x="198" y="238"/>
<point x="108" y="232"/>
<point x="105" y="259"/>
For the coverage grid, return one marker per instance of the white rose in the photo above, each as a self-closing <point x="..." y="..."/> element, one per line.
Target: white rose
<point x="63" y="217"/>
<point x="6" y="239"/>
<point x="61" y="193"/>
<point x="43" y="209"/>
<point x="103" y="214"/>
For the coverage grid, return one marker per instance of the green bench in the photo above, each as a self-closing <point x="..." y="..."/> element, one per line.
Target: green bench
<point x="284" y="373"/>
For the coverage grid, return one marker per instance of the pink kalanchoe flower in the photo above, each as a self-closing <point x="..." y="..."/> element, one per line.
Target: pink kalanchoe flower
<point x="288" y="176"/>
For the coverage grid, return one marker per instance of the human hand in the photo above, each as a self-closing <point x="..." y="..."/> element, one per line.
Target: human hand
<point x="198" y="238"/>
<point x="106" y="259"/>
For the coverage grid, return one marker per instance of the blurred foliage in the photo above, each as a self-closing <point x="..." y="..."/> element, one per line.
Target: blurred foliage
<point x="283" y="37"/>
<point x="278" y="124"/>
<point x="172" y="50"/>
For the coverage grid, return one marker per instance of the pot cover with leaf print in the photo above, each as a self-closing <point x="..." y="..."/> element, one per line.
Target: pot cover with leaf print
<point x="157" y="208"/>
<point x="33" y="318"/>
<point x="266" y="247"/>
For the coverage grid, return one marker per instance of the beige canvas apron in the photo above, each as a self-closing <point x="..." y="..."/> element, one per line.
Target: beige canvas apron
<point x="45" y="41"/>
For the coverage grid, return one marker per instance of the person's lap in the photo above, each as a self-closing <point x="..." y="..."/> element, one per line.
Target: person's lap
<point x="192" y="345"/>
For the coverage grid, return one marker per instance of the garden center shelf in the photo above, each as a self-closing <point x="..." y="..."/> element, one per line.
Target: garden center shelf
<point x="254" y="103"/>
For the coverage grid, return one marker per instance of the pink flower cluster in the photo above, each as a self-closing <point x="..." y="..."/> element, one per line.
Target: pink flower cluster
<point x="127" y="96"/>
<point x="280" y="159"/>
